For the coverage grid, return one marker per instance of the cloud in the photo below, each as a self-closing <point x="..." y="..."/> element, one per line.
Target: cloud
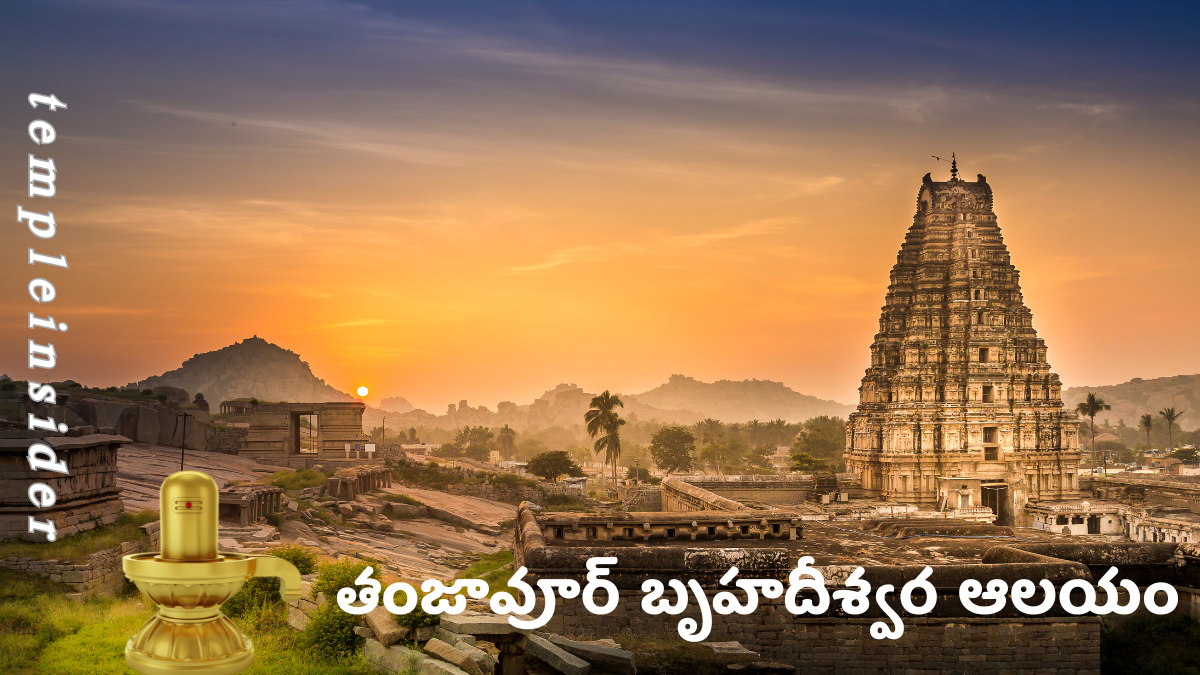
<point x="600" y="253"/>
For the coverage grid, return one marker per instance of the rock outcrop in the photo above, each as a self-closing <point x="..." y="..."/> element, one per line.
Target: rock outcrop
<point x="252" y="368"/>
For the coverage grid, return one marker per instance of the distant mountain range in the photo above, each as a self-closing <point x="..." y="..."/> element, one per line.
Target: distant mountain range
<point x="252" y="368"/>
<point x="1130" y="400"/>
<point x="731" y="401"/>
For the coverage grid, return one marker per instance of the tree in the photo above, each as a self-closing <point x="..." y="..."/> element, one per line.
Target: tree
<point x="1147" y="424"/>
<point x="1170" y="416"/>
<point x="802" y="461"/>
<point x="551" y="465"/>
<point x="602" y="420"/>
<point x="822" y="437"/>
<point x="1088" y="408"/>
<point x="672" y="448"/>
<point x="507" y="440"/>
<point x="1187" y="455"/>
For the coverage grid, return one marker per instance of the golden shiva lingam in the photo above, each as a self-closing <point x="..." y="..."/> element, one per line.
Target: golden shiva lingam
<point x="189" y="579"/>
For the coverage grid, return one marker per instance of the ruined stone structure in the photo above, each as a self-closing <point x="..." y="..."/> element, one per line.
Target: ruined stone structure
<point x="347" y="484"/>
<point x="250" y="503"/>
<point x="959" y="384"/>
<point x="274" y="434"/>
<point x="98" y="574"/>
<point x="85" y="499"/>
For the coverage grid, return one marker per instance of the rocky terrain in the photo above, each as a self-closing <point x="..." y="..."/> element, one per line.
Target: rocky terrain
<point x="1130" y="400"/>
<point x="252" y="368"/>
<point x="731" y="401"/>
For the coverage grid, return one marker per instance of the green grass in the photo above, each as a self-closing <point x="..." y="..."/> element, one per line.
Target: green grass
<point x="494" y="568"/>
<point x="43" y="633"/>
<point x="402" y="499"/>
<point x="562" y="502"/>
<point x="296" y="480"/>
<point x="76" y="548"/>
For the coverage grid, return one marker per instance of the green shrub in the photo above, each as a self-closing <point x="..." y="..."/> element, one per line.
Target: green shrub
<point x="416" y="618"/>
<point x="330" y="631"/>
<point x="260" y="594"/>
<point x="147" y="392"/>
<point x="275" y="519"/>
<point x="334" y="576"/>
<point x="295" y="480"/>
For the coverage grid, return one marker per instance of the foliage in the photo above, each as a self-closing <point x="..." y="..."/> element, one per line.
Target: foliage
<point x="76" y="548"/>
<point x="802" y="461"/>
<point x="494" y="568"/>
<point x="330" y="631"/>
<point x="339" y="574"/>
<point x="512" y="479"/>
<point x="1167" y="645"/>
<point x="672" y="448"/>
<point x="260" y="591"/>
<point x="562" y="502"/>
<point x="295" y="480"/>
<point x="1186" y="455"/>
<point x="1089" y="407"/>
<point x="603" y="422"/>
<point x="1170" y="415"/>
<point x="638" y="473"/>
<point x="506" y="442"/>
<point x="823" y="437"/>
<point x="551" y="465"/>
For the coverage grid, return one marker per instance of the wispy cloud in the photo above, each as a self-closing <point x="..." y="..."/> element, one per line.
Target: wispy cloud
<point x="600" y="253"/>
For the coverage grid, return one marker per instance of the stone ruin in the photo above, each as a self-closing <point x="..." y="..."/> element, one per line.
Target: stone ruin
<point x="250" y="502"/>
<point x="86" y="498"/>
<point x="347" y="484"/>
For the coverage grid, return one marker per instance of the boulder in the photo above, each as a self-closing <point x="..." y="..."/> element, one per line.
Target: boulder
<point x="452" y="655"/>
<point x="553" y="656"/>
<point x="296" y="619"/>
<point x="363" y="632"/>
<point x="174" y="395"/>
<point x="394" y="659"/>
<point x="607" y="658"/>
<point x="486" y="662"/>
<point x="346" y="509"/>
<point x="147" y="425"/>
<point x="732" y="647"/>
<point x="384" y="625"/>
<point x="404" y="510"/>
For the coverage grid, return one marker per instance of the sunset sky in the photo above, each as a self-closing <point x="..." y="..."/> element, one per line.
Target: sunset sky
<point x="455" y="200"/>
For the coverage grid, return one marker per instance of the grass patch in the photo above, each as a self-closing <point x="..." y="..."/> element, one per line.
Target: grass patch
<point x="76" y="548"/>
<point x="297" y="480"/>
<point x="402" y="499"/>
<point x="562" y="502"/>
<point x="494" y="568"/>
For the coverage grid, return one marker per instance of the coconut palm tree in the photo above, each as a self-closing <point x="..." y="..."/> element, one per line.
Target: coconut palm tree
<point x="1089" y="407"/>
<point x="602" y="420"/>
<point x="507" y="439"/>
<point x="1170" y="416"/>
<point x="1147" y="424"/>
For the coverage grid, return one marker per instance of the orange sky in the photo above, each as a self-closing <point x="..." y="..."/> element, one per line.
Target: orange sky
<point x="606" y="221"/>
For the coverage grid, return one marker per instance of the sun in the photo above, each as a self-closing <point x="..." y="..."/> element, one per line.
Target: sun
<point x="362" y="391"/>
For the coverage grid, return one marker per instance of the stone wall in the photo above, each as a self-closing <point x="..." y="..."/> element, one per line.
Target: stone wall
<point x="640" y="498"/>
<point x="837" y="646"/>
<point x="227" y="440"/>
<point x="680" y="496"/>
<point x="99" y="575"/>
<point x="86" y="498"/>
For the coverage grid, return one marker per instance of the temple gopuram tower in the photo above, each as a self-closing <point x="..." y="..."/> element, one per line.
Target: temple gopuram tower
<point x="959" y="386"/>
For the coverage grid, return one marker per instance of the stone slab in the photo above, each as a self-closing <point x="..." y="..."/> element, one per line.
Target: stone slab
<point x="394" y="659"/>
<point x="453" y="638"/>
<point x="477" y="624"/>
<point x="384" y="625"/>
<point x="452" y="654"/>
<point x="733" y="647"/>
<point x="553" y="656"/>
<point x="610" y="658"/>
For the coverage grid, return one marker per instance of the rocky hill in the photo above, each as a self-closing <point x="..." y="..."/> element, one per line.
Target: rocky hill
<point x="743" y="401"/>
<point x="1130" y="400"/>
<point x="395" y="404"/>
<point x="252" y="368"/>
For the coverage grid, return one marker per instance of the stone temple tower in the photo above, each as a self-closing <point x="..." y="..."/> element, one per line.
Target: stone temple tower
<point x="959" y="386"/>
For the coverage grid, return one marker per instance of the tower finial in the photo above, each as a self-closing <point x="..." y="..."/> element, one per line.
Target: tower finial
<point x="953" y="167"/>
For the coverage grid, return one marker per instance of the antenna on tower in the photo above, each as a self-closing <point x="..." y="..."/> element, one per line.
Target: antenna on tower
<point x="953" y="165"/>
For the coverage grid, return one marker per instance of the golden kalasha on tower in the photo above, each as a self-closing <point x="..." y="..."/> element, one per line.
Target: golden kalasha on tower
<point x="959" y="409"/>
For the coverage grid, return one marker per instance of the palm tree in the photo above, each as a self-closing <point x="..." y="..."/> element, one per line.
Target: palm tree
<point x="1089" y="407"/>
<point x="1147" y="424"/>
<point x="602" y="418"/>
<point x="1170" y="416"/>
<point x="507" y="439"/>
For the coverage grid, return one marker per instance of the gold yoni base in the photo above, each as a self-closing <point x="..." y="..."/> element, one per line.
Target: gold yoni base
<point x="188" y="581"/>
